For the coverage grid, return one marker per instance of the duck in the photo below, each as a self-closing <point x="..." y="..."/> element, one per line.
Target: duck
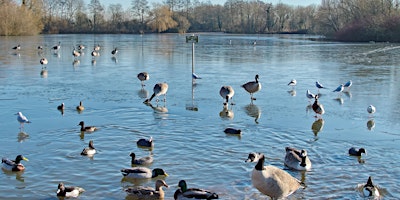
<point x="89" y="150"/>
<point x="61" y="107"/>
<point x="146" y="160"/>
<point x="370" y="190"/>
<point x="297" y="159"/>
<point x="22" y="120"/>
<point x="142" y="172"/>
<point x="192" y="193"/>
<point x="252" y="87"/>
<point x="81" y="47"/>
<point x="86" y="128"/>
<point x="371" y="109"/>
<point x="146" y="142"/>
<point x="143" y="76"/>
<point x="293" y="83"/>
<point x="357" y="152"/>
<point x="317" y="107"/>
<point x="14" y="165"/>
<point x="227" y="93"/>
<point x="148" y="193"/>
<point x="71" y="191"/>
<point x="272" y="181"/>
<point x="75" y="53"/>
<point x="114" y="51"/>
<point x="80" y="107"/>
<point x="348" y="84"/>
<point x="158" y="90"/>
<point x="233" y="131"/>
<point x="97" y="47"/>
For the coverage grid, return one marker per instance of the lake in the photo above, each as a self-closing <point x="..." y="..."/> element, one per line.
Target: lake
<point x="188" y="129"/>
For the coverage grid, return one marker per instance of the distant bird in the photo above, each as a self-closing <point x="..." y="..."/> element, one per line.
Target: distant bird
<point x="192" y="193"/>
<point x="254" y="43"/>
<point x="76" y="53"/>
<point x="95" y="53"/>
<point x="146" y="160"/>
<point x="272" y="181"/>
<point x="40" y="47"/>
<point x="81" y="47"/>
<point x="148" y="193"/>
<point x="195" y="76"/>
<point x="13" y="165"/>
<point x="89" y="150"/>
<point x="145" y="142"/>
<point x="227" y="93"/>
<point x="310" y="95"/>
<point x="142" y="172"/>
<point x="114" y="51"/>
<point x="22" y="120"/>
<point x="371" y="109"/>
<point x="357" y="152"/>
<point x="43" y="61"/>
<point x="233" y="131"/>
<point x="18" y="47"/>
<point x="297" y="159"/>
<point x="97" y="47"/>
<point x="143" y="76"/>
<point x="318" y="107"/>
<point x="86" y="128"/>
<point x="80" y="107"/>
<point x="319" y="85"/>
<point x="370" y="190"/>
<point x="61" y="107"/>
<point x="252" y="87"/>
<point x="348" y="84"/>
<point x="71" y="191"/>
<point x="57" y="47"/>
<point x="292" y="83"/>
<point x="158" y="90"/>
<point x="339" y="89"/>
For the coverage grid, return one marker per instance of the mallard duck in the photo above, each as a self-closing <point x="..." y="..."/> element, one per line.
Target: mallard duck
<point x="272" y="181"/>
<point x="71" y="191"/>
<point x="318" y="107"/>
<point x="142" y="172"/>
<point x="252" y="87"/>
<point x="158" y="90"/>
<point x="141" y="161"/>
<point x="233" y="131"/>
<point x="146" y="142"/>
<point x="89" y="150"/>
<point x="22" y="120"/>
<point x="86" y="128"/>
<point x="192" y="193"/>
<point x="80" y="107"/>
<point x="147" y="193"/>
<point x="357" y="152"/>
<point x="370" y="190"/>
<point x="297" y="159"/>
<point x="14" y="165"/>
<point x="227" y="93"/>
<point x="143" y="76"/>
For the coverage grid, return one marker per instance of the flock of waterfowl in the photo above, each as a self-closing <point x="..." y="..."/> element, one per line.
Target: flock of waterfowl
<point x="269" y="180"/>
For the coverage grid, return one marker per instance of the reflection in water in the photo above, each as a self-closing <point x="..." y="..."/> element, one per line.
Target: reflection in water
<point x="82" y="135"/>
<point x="143" y="93"/>
<point x="22" y="136"/>
<point x="254" y="111"/>
<point x="193" y="106"/>
<point x="371" y="124"/>
<point x="347" y="93"/>
<point x="226" y="113"/>
<point x="292" y="93"/>
<point x="44" y="73"/>
<point x="158" y="108"/>
<point x="114" y="59"/>
<point x="76" y="63"/>
<point x="18" y="174"/>
<point x="339" y="100"/>
<point x="309" y="108"/>
<point x="317" y="126"/>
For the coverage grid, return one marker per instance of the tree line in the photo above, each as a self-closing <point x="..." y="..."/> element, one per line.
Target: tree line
<point x="349" y="20"/>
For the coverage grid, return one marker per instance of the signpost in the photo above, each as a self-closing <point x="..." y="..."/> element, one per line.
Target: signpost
<point x="193" y="39"/>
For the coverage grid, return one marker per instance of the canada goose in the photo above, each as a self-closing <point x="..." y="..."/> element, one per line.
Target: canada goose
<point x="80" y="107"/>
<point x="318" y="108"/>
<point x="192" y="193"/>
<point x="57" y="47"/>
<point x="141" y="161"/>
<point x="13" y="165"/>
<point x="227" y="93"/>
<point x="252" y="87"/>
<point x="297" y="159"/>
<point x="22" y="120"/>
<point x="43" y="61"/>
<point x="18" y="47"/>
<point x="370" y="190"/>
<point x="97" y="47"/>
<point x="148" y="193"/>
<point x="114" y="51"/>
<point x="143" y="76"/>
<point x="89" y="150"/>
<point x="292" y="83"/>
<point x="86" y="128"/>
<point x="95" y="53"/>
<point x="81" y="47"/>
<point x="71" y="191"/>
<point x="348" y="84"/>
<point x="142" y="172"/>
<point x="159" y="89"/>
<point x="76" y="53"/>
<point x="272" y="181"/>
<point x="371" y="109"/>
<point x="357" y="152"/>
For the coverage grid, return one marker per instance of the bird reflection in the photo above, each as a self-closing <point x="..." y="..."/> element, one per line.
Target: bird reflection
<point x="114" y="59"/>
<point x="347" y="93"/>
<point x="192" y="106"/>
<point x="44" y="73"/>
<point x="76" y="62"/>
<point x="143" y="93"/>
<point x="371" y="124"/>
<point x="339" y="100"/>
<point x="18" y="174"/>
<point x="254" y="111"/>
<point x="317" y="126"/>
<point x="22" y="136"/>
<point x="292" y="93"/>
<point x="226" y="113"/>
<point x="158" y="108"/>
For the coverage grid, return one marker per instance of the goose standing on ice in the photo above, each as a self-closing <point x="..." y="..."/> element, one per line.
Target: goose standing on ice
<point x="143" y="76"/>
<point x="158" y="90"/>
<point x="252" y="87"/>
<point x="227" y="93"/>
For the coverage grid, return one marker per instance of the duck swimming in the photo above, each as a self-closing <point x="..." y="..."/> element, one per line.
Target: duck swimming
<point x="145" y="142"/>
<point x="357" y="152"/>
<point x="141" y="161"/>
<point x="14" y="165"/>
<point x="192" y="193"/>
<point x="71" y="191"/>
<point x="297" y="159"/>
<point x="86" y="128"/>
<point x="148" y="193"/>
<point x="89" y="150"/>
<point x="142" y="172"/>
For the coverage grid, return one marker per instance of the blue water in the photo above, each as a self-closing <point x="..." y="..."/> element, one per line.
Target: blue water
<point x="188" y="128"/>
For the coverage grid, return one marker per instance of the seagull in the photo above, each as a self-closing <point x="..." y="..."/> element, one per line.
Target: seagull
<point x="310" y="95"/>
<point x="293" y="83"/>
<point x="22" y="120"/>
<point x="319" y="85"/>
<point x="339" y="89"/>
<point x="76" y="53"/>
<point x="348" y="85"/>
<point x="371" y="109"/>
<point x="195" y="76"/>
